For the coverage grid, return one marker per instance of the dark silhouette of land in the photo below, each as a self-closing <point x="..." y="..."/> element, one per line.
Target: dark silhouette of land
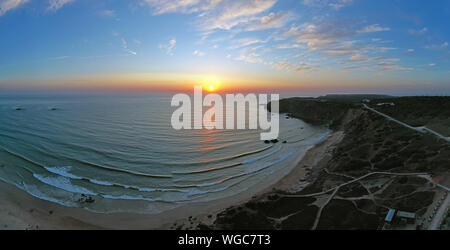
<point x="378" y="165"/>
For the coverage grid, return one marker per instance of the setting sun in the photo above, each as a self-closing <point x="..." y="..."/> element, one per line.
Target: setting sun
<point x="211" y="84"/>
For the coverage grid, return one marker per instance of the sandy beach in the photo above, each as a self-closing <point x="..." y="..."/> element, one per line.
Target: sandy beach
<point x="19" y="210"/>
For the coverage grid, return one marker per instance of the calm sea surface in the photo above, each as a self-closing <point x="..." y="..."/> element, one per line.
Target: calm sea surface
<point x="122" y="151"/>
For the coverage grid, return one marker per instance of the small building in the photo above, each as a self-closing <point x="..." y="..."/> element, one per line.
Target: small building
<point x="406" y="216"/>
<point x="390" y="216"/>
<point x="386" y="104"/>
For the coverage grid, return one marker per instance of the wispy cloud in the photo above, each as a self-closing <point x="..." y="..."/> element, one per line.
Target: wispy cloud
<point x="235" y="13"/>
<point x="198" y="53"/>
<point x="419" y="32"/>
<point x="244" y="42"/>
<point x="180" y="6"/>
<point x="169" y="47"/>
<point x="334" y="4"/>
<point x="437" y="46"/>
<point x="107" y="13"/>
<point x="55" y="5"/>
<point x="373" y="28"/>
<point x="270" y="21"/>
<point x="7" y="5"/>
<point x="125" y="47"/>
<point x="224" y="14"/>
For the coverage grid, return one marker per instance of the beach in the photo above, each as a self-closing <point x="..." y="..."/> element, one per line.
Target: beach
<point x="19" y="210"/>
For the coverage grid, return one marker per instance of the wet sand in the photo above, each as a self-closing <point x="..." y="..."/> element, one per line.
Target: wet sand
<point x="19" y="210"/>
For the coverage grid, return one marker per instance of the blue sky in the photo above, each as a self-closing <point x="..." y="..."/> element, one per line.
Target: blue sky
<point x="389" y="46"/>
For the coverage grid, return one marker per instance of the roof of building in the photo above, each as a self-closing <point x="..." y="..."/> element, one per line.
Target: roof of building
<point x="390" y="215"/>
<point x="406" y="215"/>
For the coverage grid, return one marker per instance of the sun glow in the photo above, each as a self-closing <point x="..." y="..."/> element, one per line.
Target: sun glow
<point x="211" y="84"/>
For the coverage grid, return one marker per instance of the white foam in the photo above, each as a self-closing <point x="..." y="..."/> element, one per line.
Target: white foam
<point x="63" y="183"/>
<point x="127" y="197"/>
<point x="147" y="189"/>
<point x="255" y="169"/>
<point x="103" y="183"/>
<point x="260" y="158"/>
<point x="63" y="171"/>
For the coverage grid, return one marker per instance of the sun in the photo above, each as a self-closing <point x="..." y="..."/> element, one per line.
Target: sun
<point x="211" y="84"/>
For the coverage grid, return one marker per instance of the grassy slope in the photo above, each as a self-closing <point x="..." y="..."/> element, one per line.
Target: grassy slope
<point x="433" y="112"/>
<point x="372" y="143"/>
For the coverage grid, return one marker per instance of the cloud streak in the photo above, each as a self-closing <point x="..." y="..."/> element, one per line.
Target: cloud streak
<point x="125" y="47"/>
<point x="7" y="5"/>
<point x="55" y="5"/>
<point x="168" y="48"/>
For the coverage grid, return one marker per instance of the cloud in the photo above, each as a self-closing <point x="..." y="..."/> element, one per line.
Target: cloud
<point x="418" y="32"/>
<point x="180" y="6"/>
<point x="363" y="58"/>
<point x="244" y="42"/>
<point x="198" y="53"/>
<point x="169" y="47"/>
<point x="251" y="58"/>
<point x="373" y="28"/>
<point x="55" y="5"/>
<point x="389" y="66"/>
<point x="287" y="46"/>
<point x="437" y="46"/>
<point x="125" y="47"/>
<point x="234" y="13"/>
<point x="7" y="5"/>
<point x="285" y="65"/>
<point x="334" y="4"/>
<point x="249" y="55"/>
<point x="270" y="21"/>
<point x="304" y="67"/>
<point x="108" y="13"/>
<point x="224" y="14"/>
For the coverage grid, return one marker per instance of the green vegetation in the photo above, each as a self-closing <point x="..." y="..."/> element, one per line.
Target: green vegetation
<point x="315" y="111"/>
<point x="371" y="144"/>
<point x="432" y="112"/>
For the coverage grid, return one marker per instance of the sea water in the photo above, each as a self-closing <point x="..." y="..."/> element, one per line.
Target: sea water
<point x="121" y="150"/>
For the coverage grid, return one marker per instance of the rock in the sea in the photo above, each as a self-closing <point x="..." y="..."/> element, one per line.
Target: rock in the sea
<point x="86" y="199"/>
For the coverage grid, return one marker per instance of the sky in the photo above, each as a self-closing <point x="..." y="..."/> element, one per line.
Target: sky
<point x="303" y="46"/>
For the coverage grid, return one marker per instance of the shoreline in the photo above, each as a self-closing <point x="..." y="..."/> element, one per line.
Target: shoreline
<point x="20" y="210"/>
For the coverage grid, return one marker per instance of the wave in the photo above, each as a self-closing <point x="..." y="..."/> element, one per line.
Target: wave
<point x="64" y="184"/>
<point x="224" y="158"/>
<point x="128" y="197"/>
<point x="211" y="183"/>
<point x="258" y="168"/>
<point x="122" y="170"/>
<point x="229" y="165"/>
<point x="102" y="183"/>
<point x="207" y="169"/>
<point x="34" y="191"/>
<point x="319" y="139"/>
<point x="63" y="171"/>
<point x="261" y="157"/>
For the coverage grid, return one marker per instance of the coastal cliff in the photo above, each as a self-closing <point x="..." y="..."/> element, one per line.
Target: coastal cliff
<point x="375" y="166"/>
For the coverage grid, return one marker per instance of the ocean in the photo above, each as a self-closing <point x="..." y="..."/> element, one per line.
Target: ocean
<point x="121" y="150"/>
